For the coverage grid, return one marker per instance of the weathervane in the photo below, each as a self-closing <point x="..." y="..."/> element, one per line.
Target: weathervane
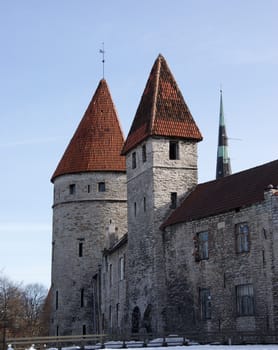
<point x="103" y="60"/>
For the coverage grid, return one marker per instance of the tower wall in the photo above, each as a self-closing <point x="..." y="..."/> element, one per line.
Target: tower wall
<point x="149" y="188"/>
<point x="86" y="218"/>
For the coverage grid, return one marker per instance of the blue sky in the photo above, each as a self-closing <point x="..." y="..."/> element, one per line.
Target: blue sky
<point x="50" y="66"/>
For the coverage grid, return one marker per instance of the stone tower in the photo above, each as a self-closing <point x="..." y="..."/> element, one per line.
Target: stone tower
<point x="89" y="210"/>
<point x="223" y="164"/>
<point x="161" y="161"/>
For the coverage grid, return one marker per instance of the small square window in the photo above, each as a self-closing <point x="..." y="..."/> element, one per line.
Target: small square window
<point x="173" y="150"/>
<point x="101" y="187"/>
<point x="144" y="154"/>
<point x="72" y="188"/>
<point x="133" y="160"/>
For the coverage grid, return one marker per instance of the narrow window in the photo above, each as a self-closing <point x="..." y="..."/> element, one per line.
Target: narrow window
<point x="110" y="315"/>
<point x="57" y="300"/>
<point x="144" y="154"/>
<point x="202" y="240"/>
<point x="173" y="200"/>
<point x="89" y="188"/>
<point x="245" y="300"/>
<point x="57" y="330"/>
<point x="82" y="297"/>
<point x="53" y="250"/>
<point x="242" y="238"/>
<point x="117" y="313"/>
<point x="122" y="268"/>
<point x="72" y="188"/>
<point x="110" y="275"/>
<point x="135" y="209"/>
<point x="84" y="329"/>
<point x="205" y="303"/>
<point x="133" y="160"/>
<point x="173" y="150"/>
<point x="144" y="204"/>
<point x="101" y="187"/>
<point x="80" y="249"/>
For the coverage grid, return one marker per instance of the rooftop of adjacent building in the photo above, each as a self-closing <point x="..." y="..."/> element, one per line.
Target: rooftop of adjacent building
<point x="227" y="193"/>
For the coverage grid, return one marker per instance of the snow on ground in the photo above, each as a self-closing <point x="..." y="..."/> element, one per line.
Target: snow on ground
<point x="214" y="347"/>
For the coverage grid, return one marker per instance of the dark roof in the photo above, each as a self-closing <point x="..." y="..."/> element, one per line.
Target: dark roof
<point x="225" y="194"/>
<point x="162" y="110"/>
<point x="98" y="140"/>
<point x="122" y="241"/>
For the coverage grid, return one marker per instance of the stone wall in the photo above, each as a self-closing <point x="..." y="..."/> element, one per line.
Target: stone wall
<point x="84" y="220"/>
<point x="113" y="291"/>
<point x="149" y="188"/>
<point x="222" y="272"/>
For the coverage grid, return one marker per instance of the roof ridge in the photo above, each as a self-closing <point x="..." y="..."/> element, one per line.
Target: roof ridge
<point x="155" y="94"/>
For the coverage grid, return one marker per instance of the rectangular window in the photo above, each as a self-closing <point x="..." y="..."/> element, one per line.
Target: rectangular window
<point x="242" y="237"/>
<point x="72" y="188"/>
<point x="133" y="160"/>
<point x="144" y="204"/>
<point x="135" y="209"/>
<point x="202" y="240"/>
<point x="173" y="150"/>
<point x="174" y="197"/>
<point x="144" y="154"/>
<point x="101" y="187"/>
<point x="84" y="331"/>
<point x="205" y="303"/>
<point x="117" y="313"/>
<point x="89" y="188"/>
<point x="245" y="300"/>
<point x="80" y="249"/>
<point x="122" y="268"/>
<point x="57" y="331"/>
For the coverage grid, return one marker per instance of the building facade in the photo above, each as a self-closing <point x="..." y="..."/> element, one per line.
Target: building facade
<point x="140" y="247"/>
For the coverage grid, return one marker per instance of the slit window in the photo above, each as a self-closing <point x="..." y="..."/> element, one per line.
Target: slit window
<point x="72" y="188"/>
<point x="80" y="249"/>
<point x="173" y="150"/>
<point x="174" y="198"/>
<point x="82" y="297"/>
<point x="144" y="154"/>
<point x="57" y="300"/>
<point x="133" y="160"/>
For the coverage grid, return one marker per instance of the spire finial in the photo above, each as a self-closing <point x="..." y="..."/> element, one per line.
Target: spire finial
<point x="103" y="60"/>
<point x="223" y="167"/>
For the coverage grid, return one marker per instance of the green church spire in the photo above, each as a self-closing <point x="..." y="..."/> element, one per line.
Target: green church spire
<point x="223" y="166"/>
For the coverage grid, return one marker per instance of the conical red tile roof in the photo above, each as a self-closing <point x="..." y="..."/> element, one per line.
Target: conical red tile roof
<point x="162" y="110"/>
<point x="98" y="140"/>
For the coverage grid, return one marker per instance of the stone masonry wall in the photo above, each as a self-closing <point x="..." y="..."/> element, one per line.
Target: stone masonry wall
<point x="224" y="269"/>
<point x="149" y="188"/>
<point x="83" y="222"/>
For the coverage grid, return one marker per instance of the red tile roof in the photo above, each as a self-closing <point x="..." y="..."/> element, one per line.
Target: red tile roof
<point x="98" y="140"/>
<point x="162" y="110"/>
<point x="225" y="194"/>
